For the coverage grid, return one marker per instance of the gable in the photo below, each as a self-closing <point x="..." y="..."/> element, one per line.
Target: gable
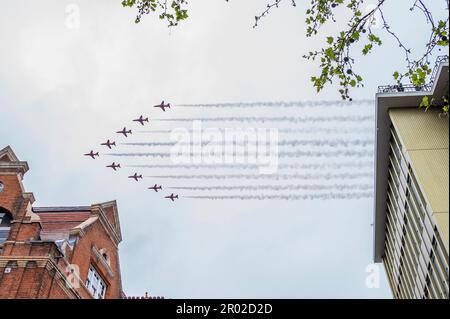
<point x="9" y="163"/>
<point x="7" y="155"/>
<point x="109" y="217"/>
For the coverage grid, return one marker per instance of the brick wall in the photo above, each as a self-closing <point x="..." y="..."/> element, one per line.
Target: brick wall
<point x="34" y="268"/>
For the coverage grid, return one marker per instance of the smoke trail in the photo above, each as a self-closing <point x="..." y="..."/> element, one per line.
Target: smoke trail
<point x="314" y="142"/>
<point x="307" y="187"/>
<point x="306" y="130"/>
<point x="308" y="176"/>
<point x="339" y="103"/>
<point x="156" y="131"/>
<point x="354" y="165"/>
<point x="304" y="119"/>
<point x="330" y="130"/>
<point x="338" y="153"/>
<point x="287" y="197"/>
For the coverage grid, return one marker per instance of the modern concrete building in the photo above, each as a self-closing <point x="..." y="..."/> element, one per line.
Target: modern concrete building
<point x="411" y="222"/>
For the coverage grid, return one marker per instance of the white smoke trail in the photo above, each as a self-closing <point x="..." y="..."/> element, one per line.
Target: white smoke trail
<point x="312" y="142"/>
<point x="329" y="130"/>
<point x="156" y="131"/>
<point x="353" y="165"/>
<point x="339" y="103"/>
<point x="305" y="130"/>
<point x="337" y="153"/>
<point x="306" y="187"/>
<point x="325" y="196"/>
<point x="309" y="176"/>
<point x="290" y="119"/>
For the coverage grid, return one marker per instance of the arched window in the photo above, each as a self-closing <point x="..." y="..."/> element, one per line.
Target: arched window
<point x="5" y="224"/>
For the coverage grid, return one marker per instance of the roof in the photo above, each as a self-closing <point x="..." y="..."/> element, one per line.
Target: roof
<point x="58" y="222"/>
<point x="8" y="155"/>
<point x="146" y="296"/>
<point x="62" y="209"/>
<point x="10" y="163"/>
<point x="426" y="139"/>
<point x="56" y="225"/>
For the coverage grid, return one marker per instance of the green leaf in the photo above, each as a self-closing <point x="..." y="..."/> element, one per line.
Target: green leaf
<point x="425" y="102"/>
<point x="367" y="48"/>
<point x="329" y="53"/>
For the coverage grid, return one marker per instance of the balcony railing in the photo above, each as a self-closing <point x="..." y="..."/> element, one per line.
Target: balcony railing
<point x="412" y="88"/>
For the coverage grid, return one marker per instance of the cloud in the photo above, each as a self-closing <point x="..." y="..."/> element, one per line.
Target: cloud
<point x="66" y="90"/>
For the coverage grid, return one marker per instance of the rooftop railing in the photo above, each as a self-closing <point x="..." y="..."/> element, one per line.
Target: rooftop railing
<point x="412" y="88"/>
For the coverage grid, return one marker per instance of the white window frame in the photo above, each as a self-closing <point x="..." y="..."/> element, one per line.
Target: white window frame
<point x="4" y="229"/>
<point x="95" y="284"/>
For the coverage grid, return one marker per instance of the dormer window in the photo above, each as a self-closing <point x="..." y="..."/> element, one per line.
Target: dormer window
<point x="5" y="224"/>
<point x="95" y="284"/>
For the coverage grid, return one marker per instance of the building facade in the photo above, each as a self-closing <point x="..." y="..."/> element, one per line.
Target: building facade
<point x="411" y="234"/>
<point x="55" y="252"/>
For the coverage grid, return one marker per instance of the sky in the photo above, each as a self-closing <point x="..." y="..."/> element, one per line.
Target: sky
<point x="65" y="89"/>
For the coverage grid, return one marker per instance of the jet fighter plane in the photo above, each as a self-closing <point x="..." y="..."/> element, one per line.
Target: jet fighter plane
<point x="141" y="120"/>
<point x="124" y="132"/>
<point x="108" y="143"/>
<point x="136" y="177"/>
<point x="163" y="106"/>
<point x="91" y="154"/>
<point x="114" y="166"/>
<point x="172" y="197"/>
<point x="156" y="187"/>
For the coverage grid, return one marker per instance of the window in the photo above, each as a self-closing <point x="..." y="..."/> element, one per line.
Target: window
<point x="95" y="284"/>
<point x="5" y="224"/>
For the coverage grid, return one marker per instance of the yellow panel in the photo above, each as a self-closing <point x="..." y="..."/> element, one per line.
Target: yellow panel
<point x="431" y="170"/>
<point x="419" y="129"/>
<point x="442" y="223"/>
<point x="425" y="138"/>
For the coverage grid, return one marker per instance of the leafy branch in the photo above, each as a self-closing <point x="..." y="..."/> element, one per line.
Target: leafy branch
<point x="172" y="11"/>
<point x="337" y="57"/>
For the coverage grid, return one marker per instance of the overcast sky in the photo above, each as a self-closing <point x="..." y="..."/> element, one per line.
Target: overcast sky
<point x="64" y="90"/>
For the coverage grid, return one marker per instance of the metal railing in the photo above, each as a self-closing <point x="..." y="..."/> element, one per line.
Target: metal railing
<point x="412" y="88"/>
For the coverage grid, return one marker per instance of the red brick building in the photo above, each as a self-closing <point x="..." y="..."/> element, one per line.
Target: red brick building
<point x="54" y="252"/>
